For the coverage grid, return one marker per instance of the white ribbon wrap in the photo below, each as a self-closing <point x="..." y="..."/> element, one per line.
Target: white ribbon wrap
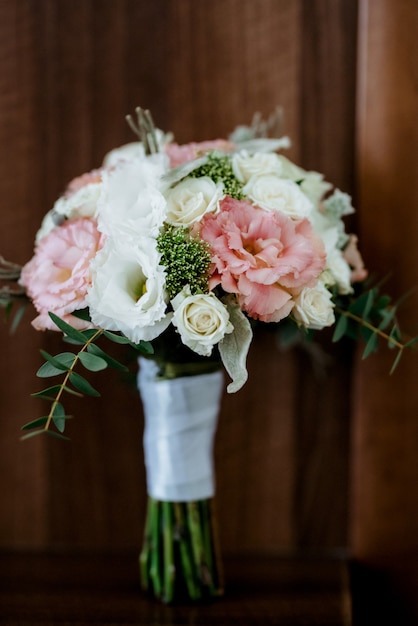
<point x="180" y="422"/>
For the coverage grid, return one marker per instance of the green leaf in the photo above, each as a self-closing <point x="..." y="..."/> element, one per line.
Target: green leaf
<point x="47" y="370"/>
<point x="51" y="392"/>
<point x="83" y="385"/>
<point x="117" y="338"/>
<point x="411" y="342"/>
<point x="34" y="433"/>
<point x="340" y="328"/>
<point x="53" y="433"/>
<point x="363" y="305"/>
<point x="67" y="329"/>
<point x="371" y="346"/>
<point x="88" y="334"/>
<point x="17" y="318"/>
<point x="145" y="347"/>
<point x="82" y="314"/>
<point x="234" y="346"/>
<point x="40" y="421"/>
<point x="396" y="361"/>
<point x="93" y="349"/>
<point x="58" y="417"/>
<point x="92" y="362"/>
<point x="63" y="361"/>
<point x="387" y="316"/>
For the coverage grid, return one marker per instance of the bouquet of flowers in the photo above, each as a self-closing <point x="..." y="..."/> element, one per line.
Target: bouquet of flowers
<point x="178" y="250"/>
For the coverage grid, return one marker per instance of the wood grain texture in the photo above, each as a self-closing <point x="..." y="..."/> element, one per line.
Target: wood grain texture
<point x="385" y="448"/>
<point x="71" y="70"/>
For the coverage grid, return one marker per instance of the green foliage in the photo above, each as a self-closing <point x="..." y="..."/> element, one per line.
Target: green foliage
<point x="186" y="260"/>
<point x="90" y="356"/>
<point x="219" y="169"/>
<point x="369" y="317"/>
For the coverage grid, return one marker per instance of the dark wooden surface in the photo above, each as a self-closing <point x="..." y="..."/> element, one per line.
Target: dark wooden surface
<point x="302" y="461"/>
<point x="70" y="71"/>
<point x="98" y="589"/>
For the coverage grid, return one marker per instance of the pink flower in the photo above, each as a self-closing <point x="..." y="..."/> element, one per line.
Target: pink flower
<point x="353" y="257"/>
<point x="93" y="177"/>
<point x="57" y="276"/>
<point x="264" y="257"/>
<point x="189" y="151"/>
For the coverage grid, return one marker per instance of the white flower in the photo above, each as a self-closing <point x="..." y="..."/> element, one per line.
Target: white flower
<point x="127" y="152"/>
<point x="340" y="271"/>
<point x="128" y="290"/>
<point x="49" y="222"/>
<point x="131" y="203"/>
<point x="314" y="307"/>
<point x="277" y="194"/>
<point x="311" y="183"/>
<point x="134" y="150"/>
<point x="202" y="320"/>
<point x="80" y="203"/>
<point x="246" y="165"/>
<point x="337" y="269"/>
<point x="188" y="201"/>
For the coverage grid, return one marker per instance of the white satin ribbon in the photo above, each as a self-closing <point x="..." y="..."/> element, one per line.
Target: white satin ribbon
<point x="180" y="423"/>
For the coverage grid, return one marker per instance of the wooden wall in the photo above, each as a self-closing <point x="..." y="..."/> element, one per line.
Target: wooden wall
<point x="70" y="70"/>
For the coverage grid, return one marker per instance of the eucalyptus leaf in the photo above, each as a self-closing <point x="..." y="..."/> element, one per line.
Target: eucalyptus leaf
<point x="340" y="328"/>
<point x="51" y="392"/>
<point x="47" y="370"/>
<point x="40" y="421"/>
<point x="92" y="362"/>
<point x="371" y="346"/>
<point x="66" y="328"/>
<point x="83" y="385"/>
<point x="116" y="338"/>
<point x="34" y="433"/>
<point x="63" y="361"/>
<point x="93" y="349"/>
<point x="396" y="361"/>
<point x="58" y="417"/>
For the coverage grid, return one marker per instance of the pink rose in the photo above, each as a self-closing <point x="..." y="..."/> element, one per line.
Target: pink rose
<point x="57" y="276"/>
<point x="264" y="257"/>
<point x="189" y="151"/>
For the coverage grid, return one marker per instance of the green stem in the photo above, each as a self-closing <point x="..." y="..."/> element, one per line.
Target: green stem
<point x="182" y="537"/>
<point x="154" y="571"/>
<point x="169" y="567"/>
<point x="375" y="329"/>
<point x="146" y="549"/>
<point x="67" y="376"/>
<point x="197" y="541"/>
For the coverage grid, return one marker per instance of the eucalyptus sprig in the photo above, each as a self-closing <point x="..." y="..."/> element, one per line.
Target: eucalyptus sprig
<point x="90" y="356"/>
<point x="372" y="316"/>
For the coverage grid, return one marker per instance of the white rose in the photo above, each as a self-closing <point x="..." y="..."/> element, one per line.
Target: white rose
<point x="314" y="307"/>
<point x="202" y="320"/>
<point x="127" y="293"/>
<point x="277" y="194"/>
<point x="245" y="165"/>
<point x="188" y="201"/>
<point x="131" y="203"/>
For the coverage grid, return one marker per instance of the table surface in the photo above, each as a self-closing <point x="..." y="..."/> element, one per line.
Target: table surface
<point x="53" y="589"/>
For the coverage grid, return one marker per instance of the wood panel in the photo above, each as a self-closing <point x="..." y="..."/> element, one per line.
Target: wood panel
<point x="71" y="74"/>
<point x="385" y="448"/>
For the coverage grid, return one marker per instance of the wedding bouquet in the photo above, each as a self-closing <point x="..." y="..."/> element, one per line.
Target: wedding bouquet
<point x="178" y="251"/>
